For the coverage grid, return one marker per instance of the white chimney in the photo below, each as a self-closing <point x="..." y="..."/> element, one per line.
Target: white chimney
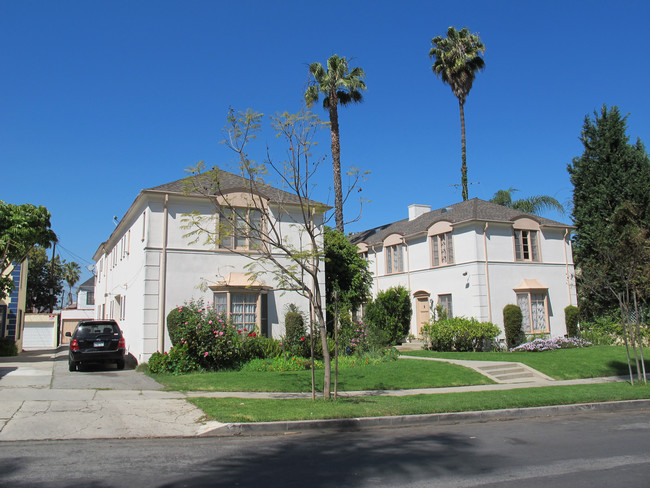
<point x="416" y="210"/>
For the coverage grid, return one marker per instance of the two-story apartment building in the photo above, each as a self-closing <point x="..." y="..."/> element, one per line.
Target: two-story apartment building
<point x="149" y="265"/>
<point x="474" y="258"/>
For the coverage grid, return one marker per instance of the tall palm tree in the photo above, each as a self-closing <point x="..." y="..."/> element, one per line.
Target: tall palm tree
<point x="339" y="85"/>
<point x="457" y="59"/>
<point x="535" y="204"/>
<point x="71" y="274"/>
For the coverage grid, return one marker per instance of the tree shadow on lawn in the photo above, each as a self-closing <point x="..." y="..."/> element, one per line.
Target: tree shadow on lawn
<point x="345" y="459"/>
<point x="621" y="368"/>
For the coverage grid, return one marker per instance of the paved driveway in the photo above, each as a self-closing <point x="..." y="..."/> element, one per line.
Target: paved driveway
<point x="41" y="399"/>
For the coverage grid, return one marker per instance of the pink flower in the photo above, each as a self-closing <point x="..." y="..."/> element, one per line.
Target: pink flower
<point x="185" y="323"/>
<point x="210" y="322"/>
<point x="205" y="354"/>
<point x="220" y="333"/>
<point x="302" y="339"/>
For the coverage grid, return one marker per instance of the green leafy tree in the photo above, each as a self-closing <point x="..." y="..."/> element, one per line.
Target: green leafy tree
<point x="610" y="172"/>
<point x="44" y="280"/>
<point x="391" y="313"/>
<point x="71" y="274"/>
<point x="21" y="228"/>
<point x="339" y="85"/>
<point x="457" y="59"/>
<point x="534" y="205"/>
<point x="346" y="273"/>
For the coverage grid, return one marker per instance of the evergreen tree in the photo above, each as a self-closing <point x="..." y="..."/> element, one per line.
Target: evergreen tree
<point x="610" y="172"/>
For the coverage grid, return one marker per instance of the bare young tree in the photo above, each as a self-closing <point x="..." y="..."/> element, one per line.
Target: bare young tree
<point x="278" y="228"/>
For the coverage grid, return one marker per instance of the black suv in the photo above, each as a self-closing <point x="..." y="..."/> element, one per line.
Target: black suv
<point x="96" y="341"/>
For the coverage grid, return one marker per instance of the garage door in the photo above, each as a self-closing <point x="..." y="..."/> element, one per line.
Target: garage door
<point x="39" y="335"/>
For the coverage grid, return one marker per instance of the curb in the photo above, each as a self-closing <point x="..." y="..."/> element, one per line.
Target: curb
<point x="358" y="424"/>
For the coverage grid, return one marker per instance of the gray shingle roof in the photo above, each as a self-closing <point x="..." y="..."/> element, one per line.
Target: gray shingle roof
<point x="229" y="182"/>
<point x="470" y="210"/>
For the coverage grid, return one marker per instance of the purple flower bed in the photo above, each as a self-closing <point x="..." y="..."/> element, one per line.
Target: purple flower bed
<point x="552" y="344"/>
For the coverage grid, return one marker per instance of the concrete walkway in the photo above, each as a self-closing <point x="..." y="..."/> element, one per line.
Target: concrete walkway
<point x="41" y="400"/>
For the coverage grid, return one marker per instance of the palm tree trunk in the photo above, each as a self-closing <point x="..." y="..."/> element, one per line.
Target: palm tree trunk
<point x="336" y="162"/>
<point x="463" y="167"/>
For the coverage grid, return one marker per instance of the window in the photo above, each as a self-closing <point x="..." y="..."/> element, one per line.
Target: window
<point x="526" y="245"/>
<point x="394" y="259"/>
<point x="90" y="298"/>
<point x="3" y="320"/>
<point x="445" y="302"/>
<point x="243" y="308"/>
<point x="240" y="228"/>
<point x="533" y="306"/>
<point x="442" y="249"/>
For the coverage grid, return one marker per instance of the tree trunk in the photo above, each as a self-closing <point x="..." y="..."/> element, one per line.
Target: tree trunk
<point x="463" y="167"/>
<point x="336" y="161"/>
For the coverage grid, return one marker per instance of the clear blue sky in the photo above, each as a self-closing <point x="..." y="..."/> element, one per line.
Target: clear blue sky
<point x="101" y="99"/>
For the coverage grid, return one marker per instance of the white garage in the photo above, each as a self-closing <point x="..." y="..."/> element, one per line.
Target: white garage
<point x="40" y="331"/>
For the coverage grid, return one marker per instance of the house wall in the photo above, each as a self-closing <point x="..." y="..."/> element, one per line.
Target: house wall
<point x="484" y="274"/>
<point x="158" y="251"/>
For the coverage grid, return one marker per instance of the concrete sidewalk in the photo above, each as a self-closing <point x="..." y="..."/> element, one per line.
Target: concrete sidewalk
<point x="41" y="400"/>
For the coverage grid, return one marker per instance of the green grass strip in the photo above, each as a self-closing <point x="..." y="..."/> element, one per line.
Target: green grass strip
<point x="561" y="364"/>
<point x="392" y="375"/>
<point x="229" y="410"/>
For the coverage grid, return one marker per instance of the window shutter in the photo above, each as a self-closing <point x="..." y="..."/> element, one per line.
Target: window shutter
<point x="518" y="245"/>
<point x="436" y="255"/>
<point x="534" y="245"/>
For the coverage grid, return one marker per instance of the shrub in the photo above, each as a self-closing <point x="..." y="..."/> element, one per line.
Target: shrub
<point x="259" y="347"/>
<point x="177" y="361"/>
<point x="459" y="334"/>
<point x="551" y="344"/>
<point x="512" y="319"/>
<point x="213" y="342"/>
<point x="603" y="331"/>
<point x="8" y="347"/>
<point x="391" y="313"/>
<point x="571" y="316"/>
<point x="295" y="341"/>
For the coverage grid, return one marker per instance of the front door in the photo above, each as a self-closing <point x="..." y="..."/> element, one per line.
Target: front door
<point x="423" y="312"/>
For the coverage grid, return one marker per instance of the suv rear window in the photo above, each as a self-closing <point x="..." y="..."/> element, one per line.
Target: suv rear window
<point x="97" y="328"/>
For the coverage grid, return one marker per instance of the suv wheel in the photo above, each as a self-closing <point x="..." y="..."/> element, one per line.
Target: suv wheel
<point x="120" y="364"/>
<point x="72" y="366"/>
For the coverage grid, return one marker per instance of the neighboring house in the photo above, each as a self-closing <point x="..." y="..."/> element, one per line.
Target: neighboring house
<point x="147" y="266"/>
<point x="82" y="310"/>
<point x="12" y="307"/>
<point x="474" y="258"/>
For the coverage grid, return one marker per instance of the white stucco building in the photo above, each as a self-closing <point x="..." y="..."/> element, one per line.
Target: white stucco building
<point x="474" y="258"/>
<point x="148" y="266"/>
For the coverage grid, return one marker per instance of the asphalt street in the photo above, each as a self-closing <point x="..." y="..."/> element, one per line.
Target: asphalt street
<point x="587" y="449"/>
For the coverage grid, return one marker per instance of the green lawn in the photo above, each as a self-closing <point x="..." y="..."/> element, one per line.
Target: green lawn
<point x="561" y="364"/>
<point x="254" y="410"/>
<point x="392" y="375"/>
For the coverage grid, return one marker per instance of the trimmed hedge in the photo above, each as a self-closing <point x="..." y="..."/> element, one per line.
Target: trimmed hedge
<point x="571" y="317"/>
<point x="460" y="334"/>
<point x="512" y="319"/>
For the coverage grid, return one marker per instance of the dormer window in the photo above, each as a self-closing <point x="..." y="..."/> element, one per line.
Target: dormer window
<point x="442" y="246"/>
<point x="394" y="253"/>
<point x="526" y="240"/>
<point x="239" y="228"/>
